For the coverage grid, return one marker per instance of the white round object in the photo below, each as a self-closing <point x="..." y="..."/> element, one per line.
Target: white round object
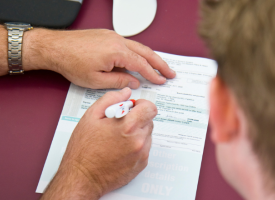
<point x="131" y="17"/>
<point x="110" y="112"/>
<point x="119" y="110"/>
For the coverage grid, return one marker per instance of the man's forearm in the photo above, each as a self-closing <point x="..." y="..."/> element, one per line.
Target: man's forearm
<point x="87" y="58"/>
<point x="36" y="47"/>
<point x="70" y="183"/>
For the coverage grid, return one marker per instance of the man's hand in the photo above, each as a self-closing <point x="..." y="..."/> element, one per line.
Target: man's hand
<point x="104" y="154"/>
<point x="93" y="58"/>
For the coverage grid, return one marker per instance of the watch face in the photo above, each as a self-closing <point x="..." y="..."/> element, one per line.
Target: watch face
<point x="17" y="24"/>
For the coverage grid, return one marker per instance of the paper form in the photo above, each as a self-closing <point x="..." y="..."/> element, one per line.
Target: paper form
<point x="178" y="135"/>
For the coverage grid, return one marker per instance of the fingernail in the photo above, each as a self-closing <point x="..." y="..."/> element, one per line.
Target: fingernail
<point x="162" y="78"/>
<point x="173" y="71"/>
<point x="133" y="85"/>
<point x="125" y="89"/>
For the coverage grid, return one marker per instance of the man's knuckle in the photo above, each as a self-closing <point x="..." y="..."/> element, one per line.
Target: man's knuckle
<point x="95" y="83"/>
<point x="117" y="52"/>
<point x="150" y="107"/>
<point x="129" y="128"/>
<point x="143" y="61"/>
<point x="138" y="146"/>
<point x="119" y="83"/>
<point x="149" y="52"/>
<point x="116" y="46"/>
<point x="139" y="117"/>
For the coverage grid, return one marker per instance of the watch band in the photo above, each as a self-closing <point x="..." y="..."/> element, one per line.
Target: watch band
<point x="15" y="39"/>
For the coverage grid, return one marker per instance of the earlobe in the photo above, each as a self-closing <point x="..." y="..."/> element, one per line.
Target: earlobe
<point x="223" y="112"/>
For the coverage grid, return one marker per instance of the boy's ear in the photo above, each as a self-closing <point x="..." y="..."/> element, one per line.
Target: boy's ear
<point x="223" y="118"/>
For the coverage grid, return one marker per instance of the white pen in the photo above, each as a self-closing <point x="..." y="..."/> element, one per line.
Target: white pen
<point x="120" y="109"/>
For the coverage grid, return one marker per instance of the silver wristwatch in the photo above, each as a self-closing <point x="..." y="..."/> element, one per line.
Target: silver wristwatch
<point x="15" y="40"/>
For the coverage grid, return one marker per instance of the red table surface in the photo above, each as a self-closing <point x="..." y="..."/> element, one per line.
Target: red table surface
<point x="30" y="105"/>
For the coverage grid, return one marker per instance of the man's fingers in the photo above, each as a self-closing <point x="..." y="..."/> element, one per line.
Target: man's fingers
<point x="143" y="112"/>
<point x="132" y="61"/>
<point x="110" y="98"/>
<point x="118" y="80"/>
<point x="152" y="58"/>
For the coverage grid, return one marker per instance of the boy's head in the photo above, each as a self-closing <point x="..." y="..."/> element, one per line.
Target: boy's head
<point x="241" y="37"/>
